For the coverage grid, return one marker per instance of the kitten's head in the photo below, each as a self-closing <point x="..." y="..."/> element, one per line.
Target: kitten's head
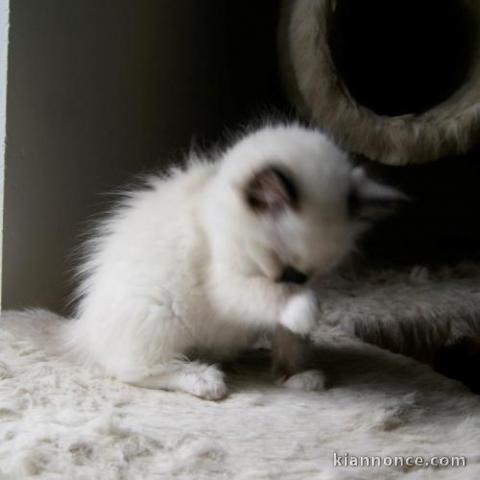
<point x="300" y="205"/>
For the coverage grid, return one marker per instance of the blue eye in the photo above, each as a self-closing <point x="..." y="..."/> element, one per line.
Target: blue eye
<point x="292" y="275"/>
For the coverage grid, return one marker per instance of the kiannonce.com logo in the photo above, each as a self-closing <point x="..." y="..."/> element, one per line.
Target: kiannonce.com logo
<point x="348" y="460"/>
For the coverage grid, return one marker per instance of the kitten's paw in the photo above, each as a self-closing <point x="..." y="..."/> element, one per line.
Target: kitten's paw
<point x="299" y="315"/>
<point x="208" y="384"/>
<point x="310" y="380"/>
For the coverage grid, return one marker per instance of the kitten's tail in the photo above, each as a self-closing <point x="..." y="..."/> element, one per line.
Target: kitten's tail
<point x="42" y="328"/>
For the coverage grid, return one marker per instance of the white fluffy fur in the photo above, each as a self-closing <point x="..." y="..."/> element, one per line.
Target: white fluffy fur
<point x="186" y="269"/>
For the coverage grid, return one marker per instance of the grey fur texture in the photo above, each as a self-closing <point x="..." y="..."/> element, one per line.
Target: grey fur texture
<point x="315" y="89"/>
<point x="413" y="312"/>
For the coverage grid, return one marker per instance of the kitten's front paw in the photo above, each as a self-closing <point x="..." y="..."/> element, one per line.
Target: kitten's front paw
<point x="299" y="315"/>
<point x="310" y="380"/>
<point x="209" y="384"/>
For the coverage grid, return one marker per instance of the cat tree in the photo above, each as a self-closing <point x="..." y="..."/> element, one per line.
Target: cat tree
<point x="396" y="81"/>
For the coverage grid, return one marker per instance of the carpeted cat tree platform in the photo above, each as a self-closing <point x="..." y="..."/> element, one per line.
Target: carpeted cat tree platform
<point x="60" y="421"/>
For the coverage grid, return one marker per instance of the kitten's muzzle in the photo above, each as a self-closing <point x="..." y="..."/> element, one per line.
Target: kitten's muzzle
<point x="293" y="276"/>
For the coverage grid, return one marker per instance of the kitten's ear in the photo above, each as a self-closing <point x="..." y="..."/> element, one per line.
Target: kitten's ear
<point x="370" y="200"/>
<point x="271" y="190"/>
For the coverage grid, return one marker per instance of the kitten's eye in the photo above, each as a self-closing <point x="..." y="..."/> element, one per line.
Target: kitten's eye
<point x="292" y="275"/>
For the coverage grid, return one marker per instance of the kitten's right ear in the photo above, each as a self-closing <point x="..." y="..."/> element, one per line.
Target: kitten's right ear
<point x="370" y="200"/>
<point x="271" y="190"/>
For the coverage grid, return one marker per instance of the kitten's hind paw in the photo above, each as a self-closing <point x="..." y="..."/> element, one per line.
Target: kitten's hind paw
<point x="309" y="380"/>
<point x="208" y="384"/>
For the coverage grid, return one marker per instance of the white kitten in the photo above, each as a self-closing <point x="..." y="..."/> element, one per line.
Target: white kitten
<point x="204" y="259"/>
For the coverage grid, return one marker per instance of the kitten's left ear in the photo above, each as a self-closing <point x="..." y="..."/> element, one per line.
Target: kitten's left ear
<point x="370" y="200"/>
<point x="271" y="190"/>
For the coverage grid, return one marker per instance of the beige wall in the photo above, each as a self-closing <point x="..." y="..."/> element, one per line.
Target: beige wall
<point x="98" y="90"/>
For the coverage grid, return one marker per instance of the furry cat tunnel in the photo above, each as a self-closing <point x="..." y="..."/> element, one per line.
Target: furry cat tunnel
<point x="397" y="83"/>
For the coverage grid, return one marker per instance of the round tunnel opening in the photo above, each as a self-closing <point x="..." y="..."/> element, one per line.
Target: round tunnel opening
<point x="401" y="57"/>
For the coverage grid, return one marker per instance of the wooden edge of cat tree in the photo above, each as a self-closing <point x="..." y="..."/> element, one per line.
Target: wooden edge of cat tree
<point x="319" y="93"/>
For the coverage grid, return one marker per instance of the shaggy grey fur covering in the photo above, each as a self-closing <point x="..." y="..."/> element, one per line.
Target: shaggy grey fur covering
<point x="410" y="311"/>
<point x="319" y="94"/>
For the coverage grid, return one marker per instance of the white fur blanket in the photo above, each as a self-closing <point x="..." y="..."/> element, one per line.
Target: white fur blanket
<point x="58" y="421"/>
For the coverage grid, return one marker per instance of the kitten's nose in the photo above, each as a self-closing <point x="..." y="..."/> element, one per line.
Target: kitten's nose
<point x="292" y="275"/>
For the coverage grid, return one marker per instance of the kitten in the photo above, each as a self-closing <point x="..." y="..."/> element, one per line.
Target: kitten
<point x="205" y="259"/>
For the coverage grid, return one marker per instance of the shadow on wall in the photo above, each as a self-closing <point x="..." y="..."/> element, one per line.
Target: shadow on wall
<point x="396" y="62"/>
<point x="441" y="224"/>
